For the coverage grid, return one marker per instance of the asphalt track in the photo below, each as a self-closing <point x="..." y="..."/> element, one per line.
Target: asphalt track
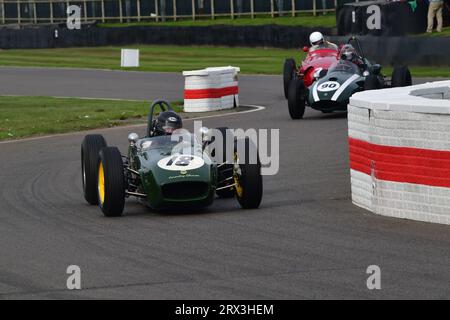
<point x="306" y="241"/>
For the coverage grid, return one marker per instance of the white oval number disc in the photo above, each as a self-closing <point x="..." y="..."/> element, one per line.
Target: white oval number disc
<point x="181" y="162"/>
<point x="329" y="86"/>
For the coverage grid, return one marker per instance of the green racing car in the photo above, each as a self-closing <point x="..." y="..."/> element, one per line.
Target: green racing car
<point x="167" y="170"/>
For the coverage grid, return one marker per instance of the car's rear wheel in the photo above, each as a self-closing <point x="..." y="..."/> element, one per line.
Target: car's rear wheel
<point x="288" y="74"/>
<point x="372" y="82"/>
<point x="225" y="169"/>
<point x="296" y="99"/>
<point x="90" y="148"/>
<point x="247" y="177"/>
<point x="111" y="182"/>
<point x="401" y="77"/>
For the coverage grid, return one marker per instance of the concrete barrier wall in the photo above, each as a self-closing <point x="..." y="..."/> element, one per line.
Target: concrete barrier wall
<point x="211" y="89"/>
<point x="400" y="151"/>
<point x="385" y="50"/>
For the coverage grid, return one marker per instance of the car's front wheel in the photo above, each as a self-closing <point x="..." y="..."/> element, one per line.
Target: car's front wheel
<point x="90" y="148"/>
<point x="296" y="99"/>
<point x="372" y="82"/>
<point x="288" y="74"/>
<point x="247" y="176"/>
<point x="111" y="182"/>
<point x="401" y="77"/>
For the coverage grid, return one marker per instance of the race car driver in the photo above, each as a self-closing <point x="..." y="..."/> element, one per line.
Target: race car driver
<point x="166" y="123"/>
<point x="348" y="52"/>
<point x="318" y="41"/>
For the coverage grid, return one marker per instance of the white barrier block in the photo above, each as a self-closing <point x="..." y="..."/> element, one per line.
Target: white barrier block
<point x="129" y="58"/>
<point x="400" y="151"/>
<point x="211" y="89"/>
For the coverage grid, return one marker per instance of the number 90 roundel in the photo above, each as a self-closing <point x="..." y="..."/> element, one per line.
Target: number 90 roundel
<point x="181" y="162"/>
<point x="329" y="86"/>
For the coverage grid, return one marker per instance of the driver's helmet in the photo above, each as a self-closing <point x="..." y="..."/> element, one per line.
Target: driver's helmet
<point x="167" y="122"/>
<point x="348" y="52"/>
<point x="316" y="39"/>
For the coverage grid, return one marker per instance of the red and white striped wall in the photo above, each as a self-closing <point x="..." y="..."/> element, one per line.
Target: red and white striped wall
<point x="399" y="142"/>
<point x="211" y="89"/>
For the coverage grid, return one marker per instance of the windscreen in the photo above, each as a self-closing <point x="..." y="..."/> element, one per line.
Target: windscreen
<point x="344" y="66"/>
<point x="185" y="143"/>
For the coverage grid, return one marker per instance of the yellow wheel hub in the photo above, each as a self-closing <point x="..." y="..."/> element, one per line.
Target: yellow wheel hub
<point x="238" y="186"/>
<point x="101" y="183"/>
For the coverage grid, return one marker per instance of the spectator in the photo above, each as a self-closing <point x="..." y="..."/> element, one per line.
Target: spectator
<point x="435" y="9"/>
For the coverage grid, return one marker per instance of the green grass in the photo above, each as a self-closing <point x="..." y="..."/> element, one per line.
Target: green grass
<point x="445" y="33"/>
<point x="154" y="58"/>
<point x="32" y="116"/>
<point x="173" y="59"/>
<point x="328" y="20"/>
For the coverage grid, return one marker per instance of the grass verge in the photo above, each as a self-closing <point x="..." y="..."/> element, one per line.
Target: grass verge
<point x="153" y="58"/>
<point x="445" y="33"/>
<point x="33" y="116"/>
<point x="327" y="20"/>
<point x="174" y="59"/>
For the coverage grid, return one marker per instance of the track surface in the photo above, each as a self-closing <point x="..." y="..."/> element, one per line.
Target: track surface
<point x="306" y="241"/>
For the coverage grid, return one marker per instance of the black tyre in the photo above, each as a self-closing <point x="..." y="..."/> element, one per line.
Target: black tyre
<point x="248" y="178"/>
<point x="90" y="148"/>
<point x="401" y="77"/>
<point x="225" y="170"/>
<point x="296" y="99"/>
<point x="372" y="83"/>
<point x="288" y="74"/>
<point x="111" y="182"/>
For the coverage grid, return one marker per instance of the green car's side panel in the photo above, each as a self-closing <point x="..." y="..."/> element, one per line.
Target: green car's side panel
<point x="174" y="188"/>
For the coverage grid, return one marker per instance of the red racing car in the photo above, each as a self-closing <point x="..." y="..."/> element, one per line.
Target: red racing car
<point x="315" y="61"/>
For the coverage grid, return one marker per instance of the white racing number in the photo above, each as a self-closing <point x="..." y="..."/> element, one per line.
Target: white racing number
<point x="181" y="162"/>
<point x="328" y="86"/>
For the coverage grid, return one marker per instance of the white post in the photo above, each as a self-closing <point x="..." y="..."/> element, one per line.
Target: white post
<point x="293" y="8"/>
<point x="156" y="10"/>
<point x="252" y="9"/>
<point x="103" y="10"/>
<point x="232" y="9"/>
<point x="174" y="10"/>
<point x="315" y="7"/>
<point x="138" y="7"/>
<point x="18" y="13"/>
<point x="34" y="12"/>
<point x="120" y="11"/>
<point x="213" y="11"/>
<point x="85" y="10"/>
<point x="51" y="12"/>
<point x="3" y="11"/>
<point x="193" y="9"/>
<point x="272" y="8"/>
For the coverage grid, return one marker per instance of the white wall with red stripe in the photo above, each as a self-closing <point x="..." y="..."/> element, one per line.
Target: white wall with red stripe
<point x="399" y="143"/>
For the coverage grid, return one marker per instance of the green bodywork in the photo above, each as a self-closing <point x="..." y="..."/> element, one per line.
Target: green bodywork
<point x="182" y="185"/>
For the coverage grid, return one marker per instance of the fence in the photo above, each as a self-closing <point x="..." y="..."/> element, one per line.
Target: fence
<point x="54" y="11"/>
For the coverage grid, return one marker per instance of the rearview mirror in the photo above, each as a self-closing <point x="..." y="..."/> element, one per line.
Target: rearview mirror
<point x="375" y="69"/>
